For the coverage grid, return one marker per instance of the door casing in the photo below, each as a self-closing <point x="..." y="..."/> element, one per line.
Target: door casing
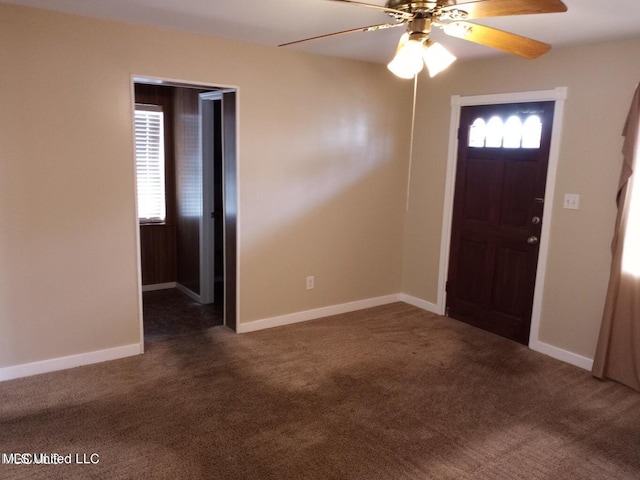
<point x="229" y="96"/>
<point x="207" y="229"/>
<point x="557" y="95"/>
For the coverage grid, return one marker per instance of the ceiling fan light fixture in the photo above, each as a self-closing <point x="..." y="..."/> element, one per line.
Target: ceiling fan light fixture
<point x="408" y="61"/>
<point x="419" y="16"/>
<point x="437" y="58"/>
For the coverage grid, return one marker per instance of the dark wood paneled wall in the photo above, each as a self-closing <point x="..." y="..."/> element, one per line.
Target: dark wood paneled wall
<point x="158" y="241"/>
<point x="188" y="188"/>
<point x="158" y="254"/>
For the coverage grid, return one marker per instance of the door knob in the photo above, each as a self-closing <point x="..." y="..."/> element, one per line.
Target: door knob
<point x="535" y="220"/>
<point x="532" y="240"/>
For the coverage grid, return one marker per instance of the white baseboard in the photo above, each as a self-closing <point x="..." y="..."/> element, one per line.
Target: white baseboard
<point x="158" y="286"/>
<point x="540" y="347"/>
<point x="562" y="355"/>
<point x="188" y="292"/>
<point x="422" y="304"/>
<point x="35" y="368"/>
<point x="316" y="313"/>
<point x="46" y="366"/>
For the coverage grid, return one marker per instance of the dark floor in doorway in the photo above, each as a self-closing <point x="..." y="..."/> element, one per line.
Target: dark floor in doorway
<point x="170" y="312"/>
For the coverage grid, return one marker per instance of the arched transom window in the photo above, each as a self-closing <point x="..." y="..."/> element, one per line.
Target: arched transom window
<point x="514" y="133"/>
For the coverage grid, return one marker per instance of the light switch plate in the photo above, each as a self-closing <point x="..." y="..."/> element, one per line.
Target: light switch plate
<point x="571" y="201"/>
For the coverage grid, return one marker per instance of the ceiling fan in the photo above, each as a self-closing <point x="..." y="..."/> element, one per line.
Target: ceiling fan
<point x="416" y="49"/>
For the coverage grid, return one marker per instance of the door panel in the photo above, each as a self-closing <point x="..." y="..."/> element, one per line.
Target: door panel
<point x="517" y="190"/>
<point x="500" y="184"/>
<point x="511" y="266"/>
<point x="481" y="175"/>
<point x="472" y="255"/>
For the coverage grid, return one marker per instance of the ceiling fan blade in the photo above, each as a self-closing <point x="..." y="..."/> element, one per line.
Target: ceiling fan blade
<point x="396" y="13"/>
<point x="492" y="37"/>
<point x="497" y="8"/>
<point x="371" y="28"/>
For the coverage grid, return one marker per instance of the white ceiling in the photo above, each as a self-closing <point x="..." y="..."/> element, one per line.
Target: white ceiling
<point x="272" y="22"/>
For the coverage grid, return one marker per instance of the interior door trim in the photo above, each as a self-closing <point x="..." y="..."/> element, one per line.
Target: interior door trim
<point x="207" y="231"/>
<point x="558" y="95"/>
<point x="230" y="93"/>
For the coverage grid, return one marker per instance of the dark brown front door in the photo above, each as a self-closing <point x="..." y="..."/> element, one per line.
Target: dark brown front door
<point x="503" y="153"/>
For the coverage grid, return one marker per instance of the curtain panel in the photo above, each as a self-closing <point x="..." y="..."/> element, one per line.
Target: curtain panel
<point x="618" y="351"/>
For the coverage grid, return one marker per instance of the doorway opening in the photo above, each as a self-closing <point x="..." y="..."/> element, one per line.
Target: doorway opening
<point x="509" y="259"/>
<point x="187" y="166"/>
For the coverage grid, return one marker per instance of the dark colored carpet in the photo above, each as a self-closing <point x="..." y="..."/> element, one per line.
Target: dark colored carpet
<point x="170" y="312"/>
<point x="386" y="393"/>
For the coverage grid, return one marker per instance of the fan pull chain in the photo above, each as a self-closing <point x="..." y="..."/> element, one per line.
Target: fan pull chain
<point x="413" y="125"/>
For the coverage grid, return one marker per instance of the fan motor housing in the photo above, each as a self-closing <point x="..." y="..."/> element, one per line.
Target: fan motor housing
<point x="419" y="25"/>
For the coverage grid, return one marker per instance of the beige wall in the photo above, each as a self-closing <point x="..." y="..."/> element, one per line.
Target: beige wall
<point x="601" y="80"/>
<point x="322" y="164"/>
<point x="322" y="169"/>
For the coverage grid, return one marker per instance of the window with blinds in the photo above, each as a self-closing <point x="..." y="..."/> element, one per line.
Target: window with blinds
<point x="149" y="132"/>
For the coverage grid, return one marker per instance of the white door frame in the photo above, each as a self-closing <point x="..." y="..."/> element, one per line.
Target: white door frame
<point x="207" y="231"/>
<point x="233" y="194"/>
<point x="557" y="95"/>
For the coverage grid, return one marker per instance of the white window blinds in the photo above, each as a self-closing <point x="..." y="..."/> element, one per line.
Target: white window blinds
<point x="149" y="131"/>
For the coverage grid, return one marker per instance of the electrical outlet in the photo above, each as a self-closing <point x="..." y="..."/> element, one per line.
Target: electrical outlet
<point x="311" y="282"/>
<point x="571" y="201"/>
